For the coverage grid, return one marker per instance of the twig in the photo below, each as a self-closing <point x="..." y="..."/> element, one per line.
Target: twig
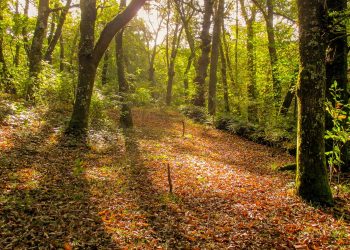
<point x="183" y="128"/>
<point x="170" y="180"/>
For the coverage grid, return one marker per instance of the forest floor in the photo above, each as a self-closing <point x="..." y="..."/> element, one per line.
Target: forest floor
<point x="115" y="193"/>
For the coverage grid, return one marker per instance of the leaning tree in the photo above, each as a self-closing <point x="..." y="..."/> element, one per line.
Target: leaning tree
<point x="90" y="55"/>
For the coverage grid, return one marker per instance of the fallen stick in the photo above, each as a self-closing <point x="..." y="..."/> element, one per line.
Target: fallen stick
<point x="170" y="180"/>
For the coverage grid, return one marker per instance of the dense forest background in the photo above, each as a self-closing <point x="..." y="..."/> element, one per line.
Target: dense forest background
<point x="272" y="71"/>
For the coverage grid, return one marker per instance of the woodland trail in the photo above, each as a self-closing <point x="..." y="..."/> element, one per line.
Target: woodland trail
<point x="115" y="194"/>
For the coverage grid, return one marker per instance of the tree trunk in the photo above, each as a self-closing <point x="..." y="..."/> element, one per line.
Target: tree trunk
<point x="62" y="53"/>
<point x="53" y="42"/>
<point x="87" y="69"/>
<point x="125" y="115"/>
<point x="311" y="177"/>
<point x="273" y="51"/>
<point x="190" y="39"/>
<point x="173" y="54"/>
<point x="35" y="54"/>
<point x="104" y="78"/>
<point x="17" y="32"/>
<point x="6" y="78"/>
<point x="252" y="95"/>
<point x="215" y="57"/>
<point x="203" y="61"/>
<point x="288" y="98"/>
<point x="24" y="29"/>
<point x="224" y="78"/>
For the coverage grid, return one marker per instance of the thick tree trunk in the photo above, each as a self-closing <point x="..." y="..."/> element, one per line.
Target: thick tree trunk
<point x="203" y="61"/>
<point x="215" y="57"/>
<point x="87" y="69"/>
<point x="224" y="78"/>
<point x="35" y="54"/>
<point x="311" y="178"/>
<point x="53" y="42"/>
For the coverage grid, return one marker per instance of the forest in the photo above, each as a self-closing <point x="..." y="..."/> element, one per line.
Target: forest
<point x="174" y="124"/>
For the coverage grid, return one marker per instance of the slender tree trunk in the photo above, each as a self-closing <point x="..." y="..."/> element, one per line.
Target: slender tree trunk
<point x="62" y="56"/>
<point x="125" y="116"/>
<point x="5" y="76"/>
<point x="35" y="54"/>
<point x="215" y="57"/>
<point x="203" y="61"/>
<point x="171" y="69"/>
<point x="224" y="78"/>
<point x="272" y="50"/>
<point x="53" y="42"/>
<point x="288" y="98"/>
<point x="190" y="39"/>
<point x="311" y="177"/>
<point x="104" y="78"/>
<point x="17" y="32"/>
<point x="24" y="29"/>
<point x="252" y="95"/>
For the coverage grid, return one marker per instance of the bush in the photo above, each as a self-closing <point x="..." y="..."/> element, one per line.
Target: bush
<point x="198" y="114"/>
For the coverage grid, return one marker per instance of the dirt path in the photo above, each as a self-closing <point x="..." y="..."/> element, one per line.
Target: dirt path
<point x="115" y="194"/>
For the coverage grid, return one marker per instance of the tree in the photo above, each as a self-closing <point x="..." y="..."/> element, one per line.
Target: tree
<point x="252" y="95"/>
<point x="203" y="61"/>
<point x="125" y="115"/>
<point x="214" y="57"/>
<point x="90" y="56"/>
<point x="35" y="53"/>
<point x="311" y="178"/>
<point x="5" y="80"/>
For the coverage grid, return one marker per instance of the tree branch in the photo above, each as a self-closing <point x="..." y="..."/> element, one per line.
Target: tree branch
<point x="114" y="26"/>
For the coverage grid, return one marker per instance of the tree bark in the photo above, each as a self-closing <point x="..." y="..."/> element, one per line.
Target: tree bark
<point x="311" y="177"/>
<point x="35" y="54"/>
<point x="288" y="98"/>
<point x="203" y="61"/>
<point x="215" y="57"/>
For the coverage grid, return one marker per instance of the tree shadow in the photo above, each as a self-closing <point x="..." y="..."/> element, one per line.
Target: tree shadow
<point x="45" y="199"/>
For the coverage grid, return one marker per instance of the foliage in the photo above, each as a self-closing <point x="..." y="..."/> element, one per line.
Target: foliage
<point x="198" y="114"/>
<point x="339" y="136"/>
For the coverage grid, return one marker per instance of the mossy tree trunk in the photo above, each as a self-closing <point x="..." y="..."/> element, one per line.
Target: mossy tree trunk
<point x="311" y="178"/>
